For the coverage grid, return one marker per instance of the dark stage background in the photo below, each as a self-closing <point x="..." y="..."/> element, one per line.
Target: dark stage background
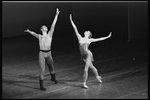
<point x="127" y="20"/>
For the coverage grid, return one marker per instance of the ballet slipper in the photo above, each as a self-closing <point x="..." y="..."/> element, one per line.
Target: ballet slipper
<point x="53" y="78"/>
<point x="99" y="79"/>
<point x="41" y="85"/>
<point x="85" y="86"/>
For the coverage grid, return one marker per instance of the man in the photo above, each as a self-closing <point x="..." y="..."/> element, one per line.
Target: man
<point x="45" y="55"/>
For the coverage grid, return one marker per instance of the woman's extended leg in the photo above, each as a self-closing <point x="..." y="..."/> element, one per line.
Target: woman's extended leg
<point x="95" y="72"/>
<point x="42" y="66"/>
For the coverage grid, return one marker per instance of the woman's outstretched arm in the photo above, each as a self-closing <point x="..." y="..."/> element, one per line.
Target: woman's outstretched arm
<point x="100" y="39"/>
<point x="75" y="28"/>
<point x="32" y="33"/>
<point x="50" y="33"/>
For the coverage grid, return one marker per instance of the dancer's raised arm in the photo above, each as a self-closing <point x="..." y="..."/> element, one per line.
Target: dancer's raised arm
<point x="32" y="33"/>
<point x="75" y="28"/>
<point x="100" y="39"/>
<point x="50" y="33"/>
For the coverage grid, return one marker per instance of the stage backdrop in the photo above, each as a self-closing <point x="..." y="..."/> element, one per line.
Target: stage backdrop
<point x="127" y="20"/>
<point x="18" y="16"/>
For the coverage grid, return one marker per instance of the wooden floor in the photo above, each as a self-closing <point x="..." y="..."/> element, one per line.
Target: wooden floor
<point x="124" y="74"/>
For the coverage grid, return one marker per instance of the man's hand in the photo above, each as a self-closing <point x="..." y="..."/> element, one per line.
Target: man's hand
<point x="57" y="11"/>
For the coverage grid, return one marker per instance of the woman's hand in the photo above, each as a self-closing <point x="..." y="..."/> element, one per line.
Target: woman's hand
<point x="27" y="30"/>
<point x="109" y="34"/>
<point x="70" y="17"/>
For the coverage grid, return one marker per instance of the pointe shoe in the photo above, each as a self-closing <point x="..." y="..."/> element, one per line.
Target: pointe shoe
<point x="99" y="79"/>
<point x="85" y="86"/>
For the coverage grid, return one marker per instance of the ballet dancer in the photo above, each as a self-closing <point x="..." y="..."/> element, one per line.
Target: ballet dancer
<point x="86" y="54"/>
<point x="45" y="56"/>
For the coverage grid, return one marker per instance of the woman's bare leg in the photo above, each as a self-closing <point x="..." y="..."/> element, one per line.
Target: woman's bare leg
<point x="95" y="72"/>
<point x="85" y="75"/>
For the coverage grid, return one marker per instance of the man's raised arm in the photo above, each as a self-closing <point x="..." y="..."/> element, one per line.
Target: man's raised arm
<point x="50" y="33"/>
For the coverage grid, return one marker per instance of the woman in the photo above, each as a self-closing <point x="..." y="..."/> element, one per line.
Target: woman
<point x="86" y="54"/>
<point x="45" y="56"/>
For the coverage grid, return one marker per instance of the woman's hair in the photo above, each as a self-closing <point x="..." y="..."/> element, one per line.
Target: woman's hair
<point x="89" y="33"/>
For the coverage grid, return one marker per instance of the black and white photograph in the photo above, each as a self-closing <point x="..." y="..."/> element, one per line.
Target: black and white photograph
<point x="74" y="49"/>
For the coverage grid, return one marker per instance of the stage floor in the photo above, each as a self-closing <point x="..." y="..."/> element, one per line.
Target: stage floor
<point x="124" y="75"/>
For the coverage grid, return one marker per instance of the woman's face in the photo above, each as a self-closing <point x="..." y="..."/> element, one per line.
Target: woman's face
<point x="88" y="34"/>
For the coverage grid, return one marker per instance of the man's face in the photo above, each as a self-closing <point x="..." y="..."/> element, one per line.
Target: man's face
<point x="44" y="28"/>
